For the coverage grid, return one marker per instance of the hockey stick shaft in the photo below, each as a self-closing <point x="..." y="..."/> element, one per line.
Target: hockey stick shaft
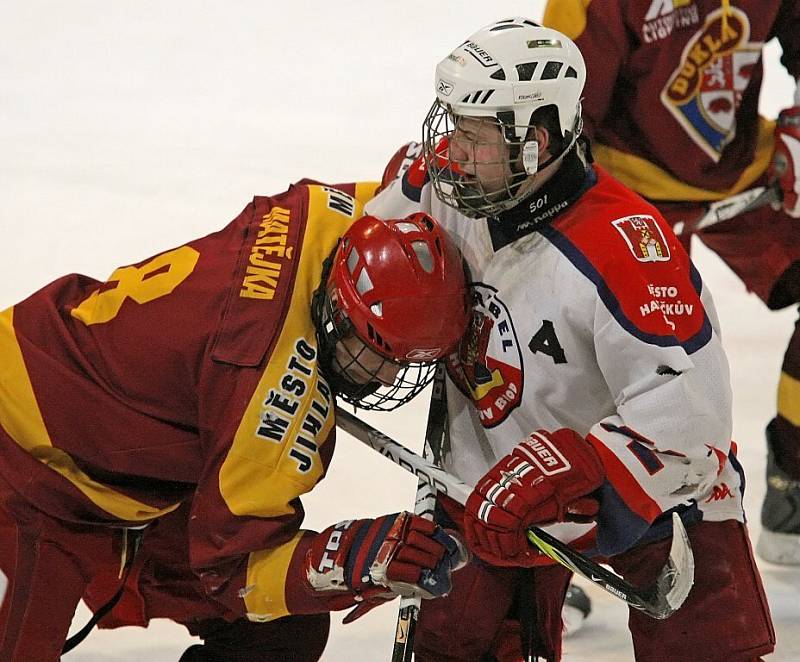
<point x="732" y="206"/>
<point x="408" y="612"/>
<point x="659" y="600"/>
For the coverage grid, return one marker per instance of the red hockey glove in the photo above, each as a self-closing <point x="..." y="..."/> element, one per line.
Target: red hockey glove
<point x="785" y="166"/>
<point x="407" y="156"/>
<point x="410" y="159"/>
<point x="547" y="478"/>
<point x="377" y="560"/>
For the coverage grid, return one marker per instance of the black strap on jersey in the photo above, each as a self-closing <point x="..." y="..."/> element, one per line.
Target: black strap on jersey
<point x="132" y="540"/>
<point x="573" y="178"/>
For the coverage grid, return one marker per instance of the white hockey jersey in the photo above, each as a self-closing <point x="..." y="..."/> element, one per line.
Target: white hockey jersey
<point x="595" y="321"/>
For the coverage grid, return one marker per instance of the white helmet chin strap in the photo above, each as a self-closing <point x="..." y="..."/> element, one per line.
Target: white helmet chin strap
<point x="530" y="148"/>
<point x="530" y="156"/>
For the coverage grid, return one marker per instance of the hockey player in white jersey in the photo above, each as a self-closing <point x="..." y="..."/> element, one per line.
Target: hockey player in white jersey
<point x="592" y="394"/>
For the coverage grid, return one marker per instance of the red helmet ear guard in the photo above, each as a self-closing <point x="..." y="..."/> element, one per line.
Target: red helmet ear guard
<point x="399" y="285"/>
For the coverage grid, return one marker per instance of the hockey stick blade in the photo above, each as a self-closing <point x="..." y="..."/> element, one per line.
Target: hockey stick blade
<point x="727" y="208"/>
<point x="659" y="600"/>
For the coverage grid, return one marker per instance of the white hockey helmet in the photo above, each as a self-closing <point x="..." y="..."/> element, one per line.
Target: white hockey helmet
<point x="505" y="71"/>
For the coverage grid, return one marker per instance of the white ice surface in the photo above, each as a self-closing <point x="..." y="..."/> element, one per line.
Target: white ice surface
<point x="130" y="127"/>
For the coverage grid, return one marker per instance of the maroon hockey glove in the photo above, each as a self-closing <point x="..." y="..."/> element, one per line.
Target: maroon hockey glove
<point x="547" y="478"/>
<point x="377" y="560"/>
<point x="785" y="166"/>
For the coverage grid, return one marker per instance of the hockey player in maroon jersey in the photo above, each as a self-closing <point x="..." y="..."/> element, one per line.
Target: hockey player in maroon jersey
<point x="187" y="403"/>
<point x="671" y="105"/>
<point x="592" y="393"/>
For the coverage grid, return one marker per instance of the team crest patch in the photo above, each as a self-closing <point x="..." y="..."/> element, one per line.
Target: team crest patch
<point x="643" y="237"/>
<point x="705" y="90"/>
<point x="488" y="364"/>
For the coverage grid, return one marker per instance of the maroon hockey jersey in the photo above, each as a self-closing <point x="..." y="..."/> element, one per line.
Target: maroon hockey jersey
<point x="672" y="88"/>
<point x="190" y="376"/>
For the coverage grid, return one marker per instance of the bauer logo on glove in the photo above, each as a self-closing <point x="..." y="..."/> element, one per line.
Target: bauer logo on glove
<point x="549" y="477"/>
<point x="544" y="454"/>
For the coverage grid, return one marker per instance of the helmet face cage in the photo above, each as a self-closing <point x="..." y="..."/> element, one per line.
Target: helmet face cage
<point x="455" y="180"/>
<point x="333" y="326"/>
<point x="353" y="373"/>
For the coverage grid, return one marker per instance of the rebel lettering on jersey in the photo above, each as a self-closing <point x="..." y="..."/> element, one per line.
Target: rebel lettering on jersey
<point x="321" y="406"/>
<point x="546" y="341"/>
<point x="490" y="376"/>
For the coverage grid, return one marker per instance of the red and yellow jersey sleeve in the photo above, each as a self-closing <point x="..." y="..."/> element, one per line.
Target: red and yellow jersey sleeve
<point x="191" y="375"/>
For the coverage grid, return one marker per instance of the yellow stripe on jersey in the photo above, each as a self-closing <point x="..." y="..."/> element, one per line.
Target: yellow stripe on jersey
<point x="653" y="183"/>
<point x="265" y="593"/>
<point x="262" y="473"/>
<point x="21" y="418"/>
<point x="789" y="399"/>
<point x="365" y="191"/>
<point x="569" y="18"/>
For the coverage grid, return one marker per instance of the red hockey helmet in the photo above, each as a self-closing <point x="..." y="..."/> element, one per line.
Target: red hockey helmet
<point x="398" y="286"/>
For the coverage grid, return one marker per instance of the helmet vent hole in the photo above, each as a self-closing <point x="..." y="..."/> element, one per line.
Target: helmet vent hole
<point x="525" y="71"/>
<point x="423" y="253"/>
<point x="551" y="70"/>
<point x="500" y="74"/>
<point x="405" y="228"/>
<point x="571" y="73"/>
<point x="376" y="338"/>
<point x="352" y="261"/>
<point x="363" y="284"/>
<point x="377" y="309"/>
